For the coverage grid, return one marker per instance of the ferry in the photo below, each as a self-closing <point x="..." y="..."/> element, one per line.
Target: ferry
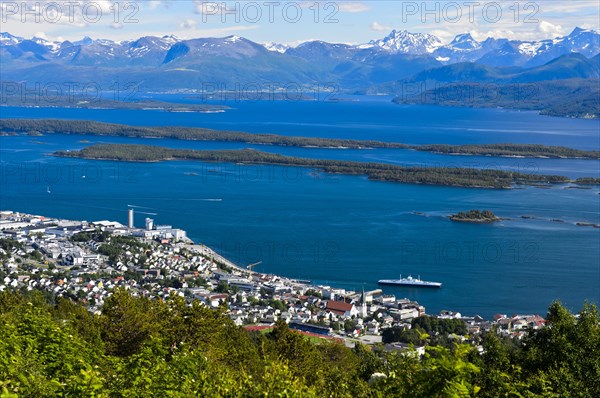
<point x="410" y="281"/>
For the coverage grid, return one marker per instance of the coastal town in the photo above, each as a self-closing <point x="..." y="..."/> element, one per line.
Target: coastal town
<point x="86" y="261"/>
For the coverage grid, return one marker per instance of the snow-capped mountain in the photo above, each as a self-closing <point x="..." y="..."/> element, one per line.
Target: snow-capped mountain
<point x="6" y="39"/>
<point x="465" y="42"/>
<point x="149" y="50"/>
<point x="86" y="41"/>
<point x="162" y="63"/>
<point x="464" y="48"/>
<point x="152" y="50"/>
<point x="504" y="52"/>
<point x="492" y="51"/>
<point x="228" y="47"/>
<point x="51" y="46"/>
<point x="583" y="41"/>
<point x="321" y="51"/>
<point x="276" y="47"/>
<point x="405" y="42"/>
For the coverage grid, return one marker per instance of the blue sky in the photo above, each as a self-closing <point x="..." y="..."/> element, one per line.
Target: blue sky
<point x="296" y="21"/>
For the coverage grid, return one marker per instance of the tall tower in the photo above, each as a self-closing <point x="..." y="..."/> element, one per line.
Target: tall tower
<point x="363" y="304"/>
<point x="130" y="218"/>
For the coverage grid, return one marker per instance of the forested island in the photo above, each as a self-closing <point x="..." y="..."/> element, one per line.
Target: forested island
<point x="181" y="133"/>
<point x="475" y="216"/>
<point x="80" y="127"/>
<point x="511" y="150"/>
<point x="448" y="176"/>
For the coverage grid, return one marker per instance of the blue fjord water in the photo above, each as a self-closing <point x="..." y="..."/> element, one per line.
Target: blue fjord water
<point x="343" y="230"/>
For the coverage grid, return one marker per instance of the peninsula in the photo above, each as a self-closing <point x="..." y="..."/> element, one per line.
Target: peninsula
<point x="447" y="176"/>
<point x="91" y="128"/>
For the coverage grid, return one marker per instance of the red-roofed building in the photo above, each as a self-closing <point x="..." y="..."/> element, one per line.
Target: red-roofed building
<point x="341" y="308"/>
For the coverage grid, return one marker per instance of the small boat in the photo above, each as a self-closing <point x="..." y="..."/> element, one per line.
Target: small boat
<point x="48" y="190"/>
<point x="410" y="281"/>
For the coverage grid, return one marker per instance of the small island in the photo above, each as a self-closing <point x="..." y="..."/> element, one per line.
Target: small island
<point x="475" y="216"/>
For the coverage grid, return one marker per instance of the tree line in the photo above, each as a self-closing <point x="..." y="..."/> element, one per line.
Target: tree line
<point x="142" y="347"/>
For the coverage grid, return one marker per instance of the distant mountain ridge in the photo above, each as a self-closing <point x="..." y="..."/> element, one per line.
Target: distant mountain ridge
<point x="171" y="64"/>
<point x="464" y="48"/>
<point x="569" y="66"/>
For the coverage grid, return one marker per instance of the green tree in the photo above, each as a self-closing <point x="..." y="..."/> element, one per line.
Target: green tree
<point x="127" y="322"/>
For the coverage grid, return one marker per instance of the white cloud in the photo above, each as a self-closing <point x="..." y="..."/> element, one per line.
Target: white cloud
<point x="550" y="30"/>
<point x="566" y="7"/>
<point x="218" y="32"/>
<point x="353" y="7"/>
<point x="377" y="27"/>
<point x="296" y="43"/>
<point x="154" y="4"/>
<point x="188" y="24"/>
<point x="48" y="37"/>
<point x="543" y="30"/>
<point x="444" y="35"/>
<point x="41" y="35"/>
<point x="214" y="7"/>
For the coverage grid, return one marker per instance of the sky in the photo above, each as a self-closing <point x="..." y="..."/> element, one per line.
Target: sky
<point x="293" y="22"/>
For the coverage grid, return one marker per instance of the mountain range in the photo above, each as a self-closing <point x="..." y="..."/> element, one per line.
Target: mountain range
<point x="168" y="63"/>
<point x="464" y="48"/>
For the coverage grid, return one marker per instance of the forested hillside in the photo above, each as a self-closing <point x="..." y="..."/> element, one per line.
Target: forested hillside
<point x="139" y="347"/>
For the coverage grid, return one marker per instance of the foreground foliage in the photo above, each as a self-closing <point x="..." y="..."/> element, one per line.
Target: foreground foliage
<point x="140" y="347"/>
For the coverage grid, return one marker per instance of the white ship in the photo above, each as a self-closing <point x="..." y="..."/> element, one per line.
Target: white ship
<point x="410" y="281"/>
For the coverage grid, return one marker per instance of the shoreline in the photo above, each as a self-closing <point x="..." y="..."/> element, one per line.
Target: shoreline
<point x="232" y="268"/>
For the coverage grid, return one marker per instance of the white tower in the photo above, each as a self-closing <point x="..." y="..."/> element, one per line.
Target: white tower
<point x="149" y="224"/>
<point x="363" y="304"/>
<point x="130" y="218"/>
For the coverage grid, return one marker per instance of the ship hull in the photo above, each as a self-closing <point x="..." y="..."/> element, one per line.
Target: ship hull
<point x="434" y="285"/>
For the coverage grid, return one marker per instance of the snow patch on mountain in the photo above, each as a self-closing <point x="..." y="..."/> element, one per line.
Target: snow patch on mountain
<point x="404" y="42"/>
<point x="276" y="47"/>
<point x="529" y="48"/>
<point x="6" y="39"/>
<point x="233" y="39"/>
<point x="465" y="42"/>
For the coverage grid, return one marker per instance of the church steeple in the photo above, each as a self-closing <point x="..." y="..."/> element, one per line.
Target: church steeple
<point x="363" y="304"/>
